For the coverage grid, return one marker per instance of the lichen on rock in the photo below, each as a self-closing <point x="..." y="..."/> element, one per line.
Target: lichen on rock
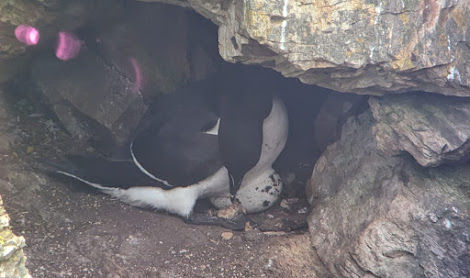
<point x="12" y="259"/>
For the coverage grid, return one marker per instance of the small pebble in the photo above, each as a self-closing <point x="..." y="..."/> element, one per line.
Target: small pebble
<point x="432" y="217"/>
<point x="302" y="210"/>
<point x="248" y="226"/>
<point x="284" y="204"/>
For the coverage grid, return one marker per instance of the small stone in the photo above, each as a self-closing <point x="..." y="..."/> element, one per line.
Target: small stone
<point x="231" y="211"/>
<point x="302" y="210"/>
<point x="275" y="233"/>
<point x="237" y="238"/>
<point x="447" y="224"/>
<point x="248" y="226"/>
<point x="284" y="204"/>
<point x="227" y="235"/>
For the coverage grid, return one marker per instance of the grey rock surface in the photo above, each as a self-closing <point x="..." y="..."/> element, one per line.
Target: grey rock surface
<point x="360" y="46"/>
<point x="432" y="128"/>
<point x="380" y="216"/>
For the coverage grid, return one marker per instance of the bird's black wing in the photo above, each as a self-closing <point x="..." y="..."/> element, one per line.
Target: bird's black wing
<point x="102" y="171"/>
<point x="178" y="151"/>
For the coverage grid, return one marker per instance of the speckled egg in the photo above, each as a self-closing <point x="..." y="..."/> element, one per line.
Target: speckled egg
<point x="256" y="195"/>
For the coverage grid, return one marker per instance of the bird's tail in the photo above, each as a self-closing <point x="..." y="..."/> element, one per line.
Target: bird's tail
<point x="101" y="172"/>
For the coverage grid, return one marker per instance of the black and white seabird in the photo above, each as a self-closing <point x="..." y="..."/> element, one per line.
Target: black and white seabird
<point x="202" y="141"/>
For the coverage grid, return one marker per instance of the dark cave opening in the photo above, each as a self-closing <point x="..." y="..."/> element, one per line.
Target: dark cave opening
<point x="126" y="65"/>
<point x="172" y="48"/>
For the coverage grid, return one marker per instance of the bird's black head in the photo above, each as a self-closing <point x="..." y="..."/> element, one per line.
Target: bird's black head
<point x="243" y="107"/>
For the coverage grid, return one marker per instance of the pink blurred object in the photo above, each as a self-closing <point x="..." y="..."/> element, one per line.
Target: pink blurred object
<point x="138" y="74"/>
<point x="68" y="46"/>
<point x="27" y="34"/>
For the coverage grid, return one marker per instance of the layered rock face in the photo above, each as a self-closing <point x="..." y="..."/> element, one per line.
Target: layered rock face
<point x="349" y="46"/>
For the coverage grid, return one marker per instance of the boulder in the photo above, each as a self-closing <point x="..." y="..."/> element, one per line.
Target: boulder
<point x="379" y="216"/>
<point x="432" y="128"/>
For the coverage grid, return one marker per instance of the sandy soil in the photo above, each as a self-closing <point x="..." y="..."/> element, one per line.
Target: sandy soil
<point x="72" y="231"/>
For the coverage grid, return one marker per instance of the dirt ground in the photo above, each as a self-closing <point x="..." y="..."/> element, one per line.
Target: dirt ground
<point x="72" y="231"/>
